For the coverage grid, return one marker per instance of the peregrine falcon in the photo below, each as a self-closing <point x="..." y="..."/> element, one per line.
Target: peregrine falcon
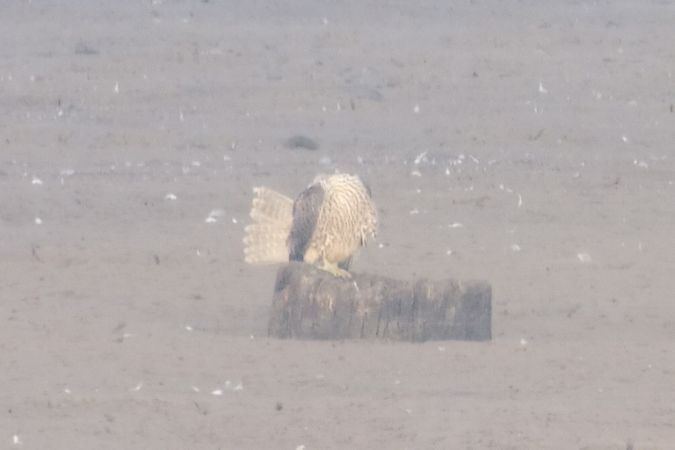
<point x="325" y="225"/>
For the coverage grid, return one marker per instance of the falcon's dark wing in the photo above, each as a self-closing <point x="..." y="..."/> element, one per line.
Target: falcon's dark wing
<point x="305" y="215"/>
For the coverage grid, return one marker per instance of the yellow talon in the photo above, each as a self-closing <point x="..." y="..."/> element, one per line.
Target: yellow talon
<point x="334" y="270"/>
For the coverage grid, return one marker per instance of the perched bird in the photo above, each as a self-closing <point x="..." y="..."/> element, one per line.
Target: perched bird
<point x="325" y="225"/>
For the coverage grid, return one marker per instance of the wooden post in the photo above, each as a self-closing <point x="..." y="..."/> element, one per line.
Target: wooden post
<point x="309" y="303"/>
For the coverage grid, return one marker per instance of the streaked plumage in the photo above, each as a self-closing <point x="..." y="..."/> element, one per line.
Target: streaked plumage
<point x="327" y="223"/>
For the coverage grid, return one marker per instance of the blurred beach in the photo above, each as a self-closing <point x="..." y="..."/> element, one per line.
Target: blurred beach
<point x="526" y="143"/>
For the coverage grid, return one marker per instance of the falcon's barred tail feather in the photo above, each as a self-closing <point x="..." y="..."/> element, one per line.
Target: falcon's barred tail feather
<point x="266" y="238"/>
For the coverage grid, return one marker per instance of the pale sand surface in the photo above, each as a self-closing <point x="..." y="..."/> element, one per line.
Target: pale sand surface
<point x="549" y="136"/>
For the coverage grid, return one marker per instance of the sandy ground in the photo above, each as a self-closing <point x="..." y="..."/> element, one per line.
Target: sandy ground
<point x="528" y="143"/>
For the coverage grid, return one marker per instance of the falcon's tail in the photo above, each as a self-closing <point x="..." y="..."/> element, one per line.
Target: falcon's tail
<point x="266" y="238"/>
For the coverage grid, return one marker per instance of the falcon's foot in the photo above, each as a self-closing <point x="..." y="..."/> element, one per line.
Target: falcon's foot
<point x="333" y="269"/>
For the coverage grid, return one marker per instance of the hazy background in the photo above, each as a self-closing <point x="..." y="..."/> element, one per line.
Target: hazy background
<point x="528" y="143"/>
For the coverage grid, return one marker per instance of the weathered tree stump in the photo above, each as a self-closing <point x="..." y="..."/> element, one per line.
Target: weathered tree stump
<point x="312" y="304"/>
